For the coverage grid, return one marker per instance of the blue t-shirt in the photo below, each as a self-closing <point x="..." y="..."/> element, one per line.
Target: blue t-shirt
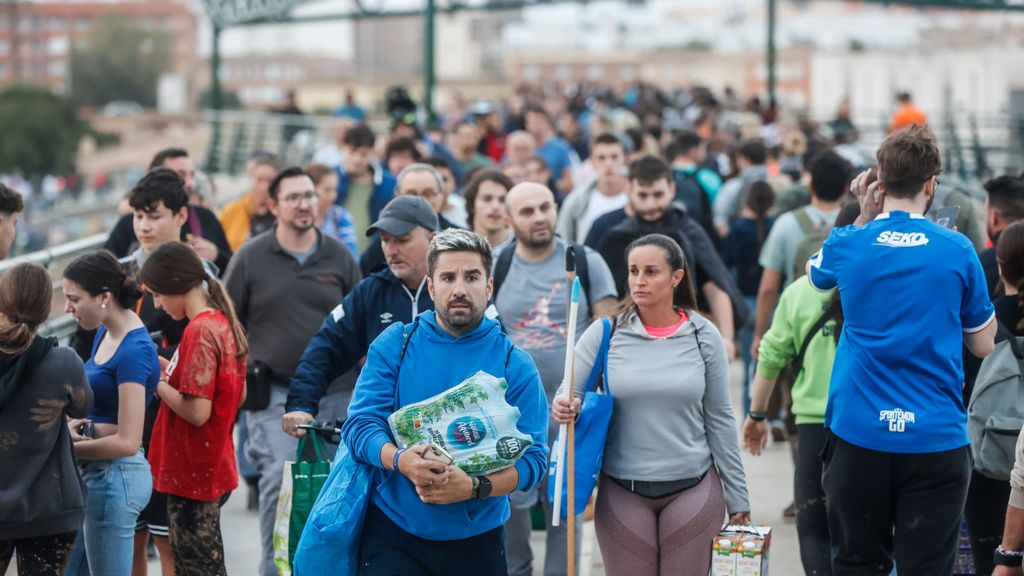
<point x="555" y="153"/>
<point x="910" y="290"/>
<point x="135" y="360"/>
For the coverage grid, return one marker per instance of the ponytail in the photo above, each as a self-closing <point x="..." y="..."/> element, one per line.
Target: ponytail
<point x="760" y="199"/>
<point x="220" y="300"/>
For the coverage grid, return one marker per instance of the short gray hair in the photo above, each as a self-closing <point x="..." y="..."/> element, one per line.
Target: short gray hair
<point x="421" y="167"/>
<point x="458" y="240"/>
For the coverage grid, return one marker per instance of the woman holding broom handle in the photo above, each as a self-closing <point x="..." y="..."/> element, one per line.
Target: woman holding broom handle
<point x="672" y="459"/>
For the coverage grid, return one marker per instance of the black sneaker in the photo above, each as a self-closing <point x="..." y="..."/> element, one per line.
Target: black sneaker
<point x="789" y="511"/>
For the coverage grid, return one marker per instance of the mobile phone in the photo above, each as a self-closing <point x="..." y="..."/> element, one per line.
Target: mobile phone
<point x="947" y="216"/>
<point x="88" y="430"/>
<point x="438" y="454"/>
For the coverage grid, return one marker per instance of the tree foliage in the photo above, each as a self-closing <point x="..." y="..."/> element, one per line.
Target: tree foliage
<point x="119" y="60"/>
<point x="40" y="131"/>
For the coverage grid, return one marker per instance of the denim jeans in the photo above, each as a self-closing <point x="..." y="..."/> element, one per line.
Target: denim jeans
<point x="744" y="339"/>
<point x="117" y="491"/>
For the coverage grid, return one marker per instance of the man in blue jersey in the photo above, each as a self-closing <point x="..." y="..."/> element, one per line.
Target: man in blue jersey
<point x="897" y="463"/>
<point x="425" y="518"/>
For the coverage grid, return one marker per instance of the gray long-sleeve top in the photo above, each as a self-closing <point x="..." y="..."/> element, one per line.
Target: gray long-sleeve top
<point x="673" y="414"/>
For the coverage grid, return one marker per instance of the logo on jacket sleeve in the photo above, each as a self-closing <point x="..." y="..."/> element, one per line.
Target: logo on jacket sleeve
<point x="897" y="419"/>
<point x="901" y="239"/>
<point x="338" y="313"/>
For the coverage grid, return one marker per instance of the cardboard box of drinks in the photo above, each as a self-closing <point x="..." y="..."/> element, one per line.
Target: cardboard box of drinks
<point x="741" y="551"/>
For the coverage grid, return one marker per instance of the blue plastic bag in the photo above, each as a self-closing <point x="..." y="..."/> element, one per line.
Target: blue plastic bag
<point x="330" y="541"/>
<point x="591" y="432"/>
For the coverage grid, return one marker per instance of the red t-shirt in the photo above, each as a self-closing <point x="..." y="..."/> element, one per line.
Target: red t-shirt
<point x="199" y="462"/>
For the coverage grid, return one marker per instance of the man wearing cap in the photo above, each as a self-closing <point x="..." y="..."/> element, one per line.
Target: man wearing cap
<point x="395" y="294"/>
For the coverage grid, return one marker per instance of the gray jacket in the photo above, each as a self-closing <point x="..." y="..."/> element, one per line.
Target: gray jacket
<point x="673" y="414"/>
<point x="41" y="493"/>
<point x="571" y="226"/>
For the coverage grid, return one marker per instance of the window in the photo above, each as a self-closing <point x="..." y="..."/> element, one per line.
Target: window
<point x="58" y="23"/>
<point x="57" y="69"/>
<point x="82" y="24"/>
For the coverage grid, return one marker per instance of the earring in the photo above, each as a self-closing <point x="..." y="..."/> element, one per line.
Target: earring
<point x="104" y="305"/>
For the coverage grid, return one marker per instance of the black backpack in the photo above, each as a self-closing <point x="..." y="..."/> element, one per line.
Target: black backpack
<point x="692" y="195"/>
<point x="504" y="263"/>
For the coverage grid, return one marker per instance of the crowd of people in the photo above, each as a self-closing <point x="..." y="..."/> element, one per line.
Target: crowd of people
<point x="401" y="263"/>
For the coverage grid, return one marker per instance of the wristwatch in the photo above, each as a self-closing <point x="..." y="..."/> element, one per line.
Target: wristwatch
<point x="757" y="416"/>
<point x="483" y="488"/>
<point x="1011" y="558"/>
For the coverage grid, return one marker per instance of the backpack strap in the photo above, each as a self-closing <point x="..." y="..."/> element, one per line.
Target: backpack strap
<point x="502" y="267"/>
<point x="598" y="374"/>
<point x="406" y="337"/>
<point x="798" y="362"/>
<point x="583" y="272"/>
<point x="804" y="220"/>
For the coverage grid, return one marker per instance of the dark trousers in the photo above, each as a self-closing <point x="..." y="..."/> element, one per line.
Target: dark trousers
<point x="884" y="506"/>
<point x="387" y="550"/>
<point x="196" y="541"/>
<point x="811" y="518"/>
<point x="985" y="514"/>
<point x="41" y="556"/>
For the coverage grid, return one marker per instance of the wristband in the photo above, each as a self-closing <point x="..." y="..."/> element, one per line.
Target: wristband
<point x="394" y="463"/>
<point x="1011" y="558"/>
<point x="757" y="416"/>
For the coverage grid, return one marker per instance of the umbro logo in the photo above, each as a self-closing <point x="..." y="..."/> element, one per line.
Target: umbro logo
<point x="386" y="317"/>
<point x="901" y="239"/>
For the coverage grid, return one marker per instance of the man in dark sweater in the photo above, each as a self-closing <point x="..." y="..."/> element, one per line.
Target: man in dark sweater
<point x="202" y="229"/>
<point x="652" y="211"/>
<point x="1005" y="206"/>
<point x="283" y="283"/>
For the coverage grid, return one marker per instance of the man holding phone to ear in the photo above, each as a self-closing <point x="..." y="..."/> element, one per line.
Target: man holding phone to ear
<point x="897" y="460"/>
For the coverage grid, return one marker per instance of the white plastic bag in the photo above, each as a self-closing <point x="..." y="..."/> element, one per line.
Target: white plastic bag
<point x="472" y="421"/>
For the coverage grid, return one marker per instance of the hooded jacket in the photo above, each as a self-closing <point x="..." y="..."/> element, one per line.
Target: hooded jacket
<point x="434" y="362"/>
<point x="41" y="492"/>
<point x="383" y="189"/>
<point x="377" y="302"/>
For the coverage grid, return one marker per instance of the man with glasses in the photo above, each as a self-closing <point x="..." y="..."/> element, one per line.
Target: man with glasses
<point x="417" y="179"/>
<point x="283" y="283"/>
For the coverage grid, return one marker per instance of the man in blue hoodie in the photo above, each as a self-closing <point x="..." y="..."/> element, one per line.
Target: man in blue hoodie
<point x="426" y="518"/>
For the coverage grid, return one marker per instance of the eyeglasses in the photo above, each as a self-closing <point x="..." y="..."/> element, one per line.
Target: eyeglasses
<point x="296" y="199"/>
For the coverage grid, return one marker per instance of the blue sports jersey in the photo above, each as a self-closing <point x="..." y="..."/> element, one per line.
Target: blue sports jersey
<point x="910" y="289"/>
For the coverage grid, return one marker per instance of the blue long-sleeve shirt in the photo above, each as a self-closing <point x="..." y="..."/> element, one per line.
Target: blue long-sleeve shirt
<point x="377" y="302"/>
<point x="434" y="362"/>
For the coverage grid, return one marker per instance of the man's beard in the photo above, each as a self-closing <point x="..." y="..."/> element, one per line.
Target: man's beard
<point x="458" y="321"/>
<point x="528" y="241"/>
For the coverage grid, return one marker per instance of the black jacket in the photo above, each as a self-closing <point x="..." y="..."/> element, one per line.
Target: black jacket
<point x="704" y="260"/>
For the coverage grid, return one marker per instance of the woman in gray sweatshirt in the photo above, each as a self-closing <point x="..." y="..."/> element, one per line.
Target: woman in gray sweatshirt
<point x="672" y="459"/>
<point x="41" y="493"/>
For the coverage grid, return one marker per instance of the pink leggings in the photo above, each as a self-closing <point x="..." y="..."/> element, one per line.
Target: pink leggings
<point x="640" y="536"/>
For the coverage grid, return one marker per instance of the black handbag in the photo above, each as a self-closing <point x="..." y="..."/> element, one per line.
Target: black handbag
<point x="258" y="380"/>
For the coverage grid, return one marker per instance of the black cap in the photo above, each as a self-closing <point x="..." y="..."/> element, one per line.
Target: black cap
<point x="403" y="214"/>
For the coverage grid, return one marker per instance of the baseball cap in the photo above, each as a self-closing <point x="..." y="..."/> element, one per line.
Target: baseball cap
<point x="403" y="214"/>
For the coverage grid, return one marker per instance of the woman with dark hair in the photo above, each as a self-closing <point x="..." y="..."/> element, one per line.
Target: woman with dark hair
<point x="332" y="219"/>
<point x="803" y="335"/>
<point x="192" y="451"/>
<point x="42" y="500"/>
<point x="987" y="498"/>
<point x="123" y="371"/>
<point x="672" y="459"/>
<point x="485" y="205"/>
<point x="740" y="251"/>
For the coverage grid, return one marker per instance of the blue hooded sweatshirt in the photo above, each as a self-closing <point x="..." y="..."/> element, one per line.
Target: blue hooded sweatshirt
<point x="434" y="362"/>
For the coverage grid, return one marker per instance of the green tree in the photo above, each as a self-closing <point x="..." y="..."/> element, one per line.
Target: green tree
<point x="41" y="131"/>
<point x="119" y="61"/>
